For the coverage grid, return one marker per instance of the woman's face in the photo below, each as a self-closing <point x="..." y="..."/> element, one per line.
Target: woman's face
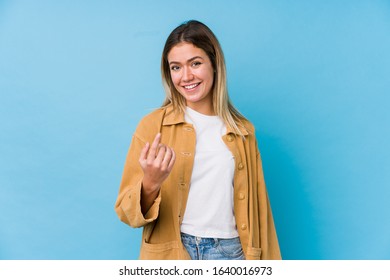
<point x="193" y="76"/>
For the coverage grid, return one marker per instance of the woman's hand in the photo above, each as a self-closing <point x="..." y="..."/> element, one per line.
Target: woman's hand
<point x="156" y="162"/>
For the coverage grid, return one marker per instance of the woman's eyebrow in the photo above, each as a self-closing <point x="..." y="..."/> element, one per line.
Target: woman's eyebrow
<point x="189" y="60"/>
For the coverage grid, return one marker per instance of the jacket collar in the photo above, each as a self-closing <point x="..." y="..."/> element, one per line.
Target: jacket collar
<point x="240" y="127"/>
<point x="173" y="117"/>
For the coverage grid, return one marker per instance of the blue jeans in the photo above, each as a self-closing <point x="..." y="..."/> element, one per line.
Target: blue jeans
<point x="201" y="248"/>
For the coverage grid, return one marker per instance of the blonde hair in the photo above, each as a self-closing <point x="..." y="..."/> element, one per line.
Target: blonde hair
<point x="198" y="34"/>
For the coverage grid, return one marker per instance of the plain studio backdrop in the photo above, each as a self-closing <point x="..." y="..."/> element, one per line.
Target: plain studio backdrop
<point x="77" y="76"/>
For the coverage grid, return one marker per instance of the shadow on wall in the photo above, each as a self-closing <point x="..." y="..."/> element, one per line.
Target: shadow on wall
<point x="293" y="213"/>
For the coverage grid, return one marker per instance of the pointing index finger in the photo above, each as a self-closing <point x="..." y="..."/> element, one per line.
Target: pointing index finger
<point x="154" y="146"/>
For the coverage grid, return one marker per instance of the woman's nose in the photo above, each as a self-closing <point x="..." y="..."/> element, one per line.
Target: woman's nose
<point x="187" y="74"/>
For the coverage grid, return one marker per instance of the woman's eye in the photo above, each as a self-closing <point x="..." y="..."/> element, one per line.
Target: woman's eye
<point x="175" y="68"/>
<point x="196" y="63"/>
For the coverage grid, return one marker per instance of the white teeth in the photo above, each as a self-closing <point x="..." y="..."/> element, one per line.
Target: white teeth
<point x="191" y="86"/>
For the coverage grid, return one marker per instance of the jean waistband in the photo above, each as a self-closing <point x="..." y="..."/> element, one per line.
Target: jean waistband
<point x="190" y="239"/>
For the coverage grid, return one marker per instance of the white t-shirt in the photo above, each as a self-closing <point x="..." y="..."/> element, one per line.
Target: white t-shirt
<point x="209" y="211"/>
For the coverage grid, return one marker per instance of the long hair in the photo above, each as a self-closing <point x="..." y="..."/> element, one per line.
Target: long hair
<point x="198" y="34"/>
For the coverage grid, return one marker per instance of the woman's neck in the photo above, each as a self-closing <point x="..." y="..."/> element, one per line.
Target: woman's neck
<point x="205" y="109"/>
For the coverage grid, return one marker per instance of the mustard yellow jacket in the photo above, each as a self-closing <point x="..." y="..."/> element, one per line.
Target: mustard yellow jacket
<point x="161" y="232"/>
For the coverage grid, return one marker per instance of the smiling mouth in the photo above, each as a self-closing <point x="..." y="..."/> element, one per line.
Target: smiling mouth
<point x="192" y="86"/>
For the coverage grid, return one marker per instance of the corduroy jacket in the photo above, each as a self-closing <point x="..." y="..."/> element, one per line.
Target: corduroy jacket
<point x="161" y="224"/>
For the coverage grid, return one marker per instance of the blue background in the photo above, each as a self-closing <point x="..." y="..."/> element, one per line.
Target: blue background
<point x="77" y="76"/>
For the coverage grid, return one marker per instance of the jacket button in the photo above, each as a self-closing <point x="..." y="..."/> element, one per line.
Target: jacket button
<point x="240" y="166"/>
<point x="241" y="196"/>
<point x="243" y="226"/>
<point x="230" y="138"/>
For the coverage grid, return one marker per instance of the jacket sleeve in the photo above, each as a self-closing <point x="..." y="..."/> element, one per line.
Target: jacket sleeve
<point x="268" y="237"/>
<point x="128" y="203"/>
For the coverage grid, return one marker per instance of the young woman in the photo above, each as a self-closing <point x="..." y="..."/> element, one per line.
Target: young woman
<point x="193" y="177"/>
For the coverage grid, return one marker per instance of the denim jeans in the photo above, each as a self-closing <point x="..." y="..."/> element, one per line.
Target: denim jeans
<point x="201" y="248"/>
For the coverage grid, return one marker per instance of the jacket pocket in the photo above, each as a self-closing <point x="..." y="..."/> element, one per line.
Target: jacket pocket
<point x="253" y="253"/>
<point x="171" y="250"/>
